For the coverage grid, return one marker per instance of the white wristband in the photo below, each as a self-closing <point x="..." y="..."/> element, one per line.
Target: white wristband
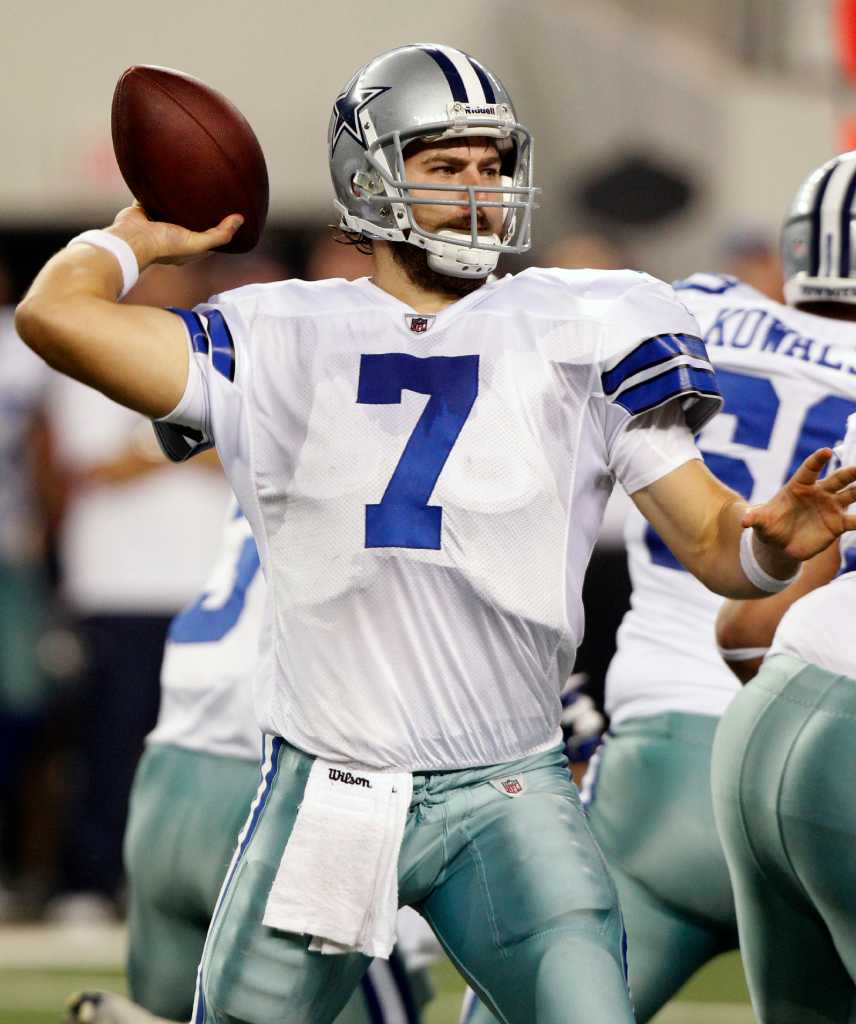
<point x="119" y="248"/>
<point x="752" y="568"/>
<point x="741" y="653"/>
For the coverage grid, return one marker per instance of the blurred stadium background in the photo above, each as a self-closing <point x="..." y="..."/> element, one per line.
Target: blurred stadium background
<point x="670" y="138"/>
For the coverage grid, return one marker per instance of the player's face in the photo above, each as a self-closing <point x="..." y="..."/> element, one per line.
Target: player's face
<point x="472" y="161"/>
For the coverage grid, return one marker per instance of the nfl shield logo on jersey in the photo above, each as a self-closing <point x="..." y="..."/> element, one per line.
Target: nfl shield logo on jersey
<point x="418" y="324"/>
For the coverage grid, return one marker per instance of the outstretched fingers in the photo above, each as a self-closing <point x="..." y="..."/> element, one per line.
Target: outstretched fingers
<point x="846" y="496"/>
<point x="840" y="478"/>
<point x="811" y="469"/>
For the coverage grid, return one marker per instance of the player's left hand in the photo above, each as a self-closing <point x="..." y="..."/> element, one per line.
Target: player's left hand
<point x="807" y="514"/>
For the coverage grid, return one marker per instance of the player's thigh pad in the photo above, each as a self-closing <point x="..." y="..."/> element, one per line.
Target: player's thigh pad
<point x="785" y="840"/>
<point x="817" y="808"/>
<point x="648" y="801"/>
<point x="195" y="804"/>
<point x="647" y="794"/>
<point x="665" y="947"/>
<point x="253" y="973"/>
<point x="523" y="901"/>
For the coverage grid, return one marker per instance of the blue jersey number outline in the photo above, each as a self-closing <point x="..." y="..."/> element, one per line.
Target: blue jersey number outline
<point x="403" y="518"/>
<point x="199" y="624"/>
<point x="754" y="403"/>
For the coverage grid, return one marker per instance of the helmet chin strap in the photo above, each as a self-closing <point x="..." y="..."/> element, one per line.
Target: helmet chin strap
<point x="457" y="260"/>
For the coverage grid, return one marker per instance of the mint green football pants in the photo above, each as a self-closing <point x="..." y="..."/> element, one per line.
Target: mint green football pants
<point x="514" y="887"/>
<point x="186" y="811"/>
<point x="647" y="796"/>
<point x="784" y="792"/>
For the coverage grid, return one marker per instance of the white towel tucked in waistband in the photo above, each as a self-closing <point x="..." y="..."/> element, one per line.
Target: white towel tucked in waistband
<point x="338" y="877"/>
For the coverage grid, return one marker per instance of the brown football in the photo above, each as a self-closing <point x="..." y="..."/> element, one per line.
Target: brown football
<point x="187" y="154"/>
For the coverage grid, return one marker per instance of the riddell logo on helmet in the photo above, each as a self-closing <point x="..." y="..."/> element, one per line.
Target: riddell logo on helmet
<point x="821" y="291"/>
<point x="470" y="109"/>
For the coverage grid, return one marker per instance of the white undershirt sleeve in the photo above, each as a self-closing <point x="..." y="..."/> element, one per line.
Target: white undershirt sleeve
<point x="192" y="408"/>
<point x="647" y="447"/>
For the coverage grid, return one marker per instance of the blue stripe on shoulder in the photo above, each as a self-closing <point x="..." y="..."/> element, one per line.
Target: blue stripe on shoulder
<point x="724" y="282"/>
<point x="651" y="352"/>
<point x="682" y="380"/>
<point x="195" y="328"/>
<point x="222" y="344"/>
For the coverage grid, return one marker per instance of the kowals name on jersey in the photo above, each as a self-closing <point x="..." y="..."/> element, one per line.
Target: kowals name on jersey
<point x="760" y="329"/>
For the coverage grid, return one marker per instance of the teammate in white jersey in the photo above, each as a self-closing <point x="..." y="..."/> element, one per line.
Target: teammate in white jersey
<point x="789" y="383"/>
<point x="197" y="776"/>
<point x="782" y="773"/>
<point x="424" y="459"/>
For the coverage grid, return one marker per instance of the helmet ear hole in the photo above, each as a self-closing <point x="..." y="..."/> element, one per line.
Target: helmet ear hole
<point x="365" y="184"/>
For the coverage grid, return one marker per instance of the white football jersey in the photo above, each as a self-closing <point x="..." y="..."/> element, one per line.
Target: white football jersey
<point x="789" y="383"/>
<point x="425" y="492"/>
<point x="211" y="654"/>
<point x="819" y="627"/>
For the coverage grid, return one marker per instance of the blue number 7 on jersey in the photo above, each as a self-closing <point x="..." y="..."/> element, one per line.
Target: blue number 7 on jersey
<point x="404" y="519"/>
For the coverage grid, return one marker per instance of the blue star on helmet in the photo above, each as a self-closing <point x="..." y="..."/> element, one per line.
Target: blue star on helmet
<point x="347" y="110"/>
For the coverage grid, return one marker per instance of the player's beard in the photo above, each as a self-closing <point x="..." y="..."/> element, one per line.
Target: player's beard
<point x="414" y="262"/>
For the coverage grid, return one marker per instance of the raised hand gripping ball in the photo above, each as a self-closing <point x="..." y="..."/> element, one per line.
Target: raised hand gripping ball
<point x="187" y="154"/>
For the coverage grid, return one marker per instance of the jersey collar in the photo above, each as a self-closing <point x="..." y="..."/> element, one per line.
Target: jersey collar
<point x="437" y="320"/>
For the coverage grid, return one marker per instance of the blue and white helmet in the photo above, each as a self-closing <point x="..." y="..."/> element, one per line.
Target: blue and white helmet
<point x="429" y="92"/>
<point x="819" y="236"/>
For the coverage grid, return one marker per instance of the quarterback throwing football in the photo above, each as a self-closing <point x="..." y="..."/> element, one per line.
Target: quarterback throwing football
<point x="424" y="457"/>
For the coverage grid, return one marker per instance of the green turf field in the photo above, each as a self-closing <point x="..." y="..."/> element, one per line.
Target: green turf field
<point x="39" y="966"/>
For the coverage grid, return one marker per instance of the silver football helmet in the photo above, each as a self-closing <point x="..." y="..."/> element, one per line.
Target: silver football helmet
<point x="819" y="236"/>
<point x="428" y="92"/>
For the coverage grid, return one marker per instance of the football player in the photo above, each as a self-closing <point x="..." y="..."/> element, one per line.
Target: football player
<point x="424" y="457"/>
<point x="788" y="378"/>
<point x="782" y="775"/>
<point x="193" y="785"/>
